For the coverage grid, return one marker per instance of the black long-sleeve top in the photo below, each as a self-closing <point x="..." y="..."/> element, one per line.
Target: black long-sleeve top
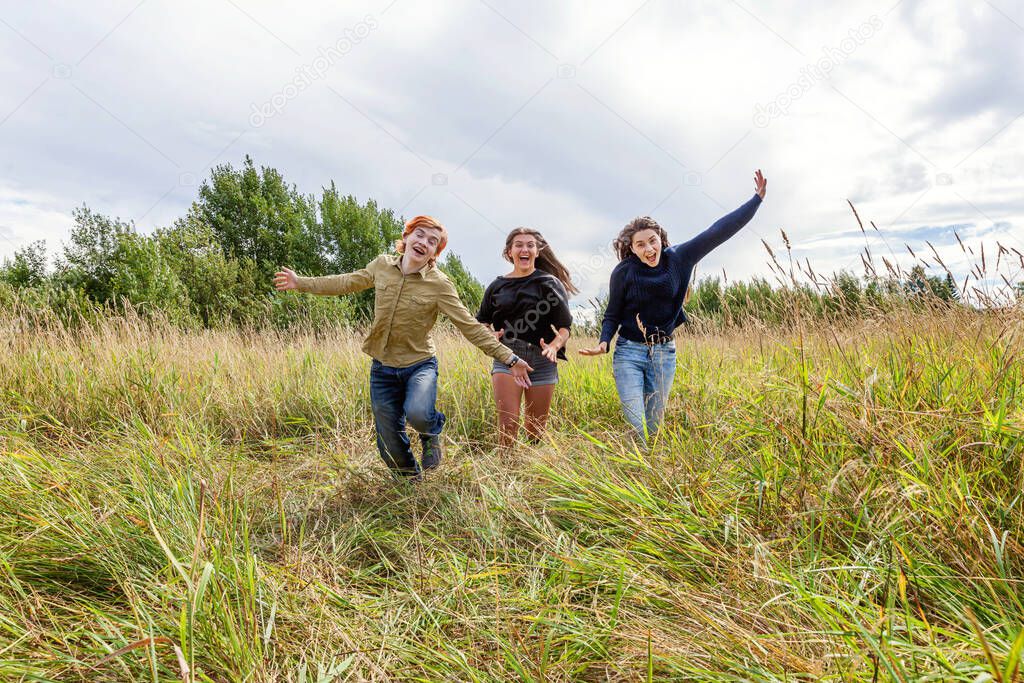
<point x="656" y="293"/>
<point x="526" y="308"/>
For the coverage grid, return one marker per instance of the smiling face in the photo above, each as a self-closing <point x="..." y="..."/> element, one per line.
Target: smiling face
<point x="646" y="244"/>
<point x="523" y="252"/>
<point x="421" y="245"/>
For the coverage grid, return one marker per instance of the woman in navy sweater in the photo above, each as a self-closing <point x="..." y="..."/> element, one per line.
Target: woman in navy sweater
<point x="645" y="306"/>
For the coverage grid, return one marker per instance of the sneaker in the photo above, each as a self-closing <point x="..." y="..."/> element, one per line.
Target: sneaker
<point x="432" y="452"/>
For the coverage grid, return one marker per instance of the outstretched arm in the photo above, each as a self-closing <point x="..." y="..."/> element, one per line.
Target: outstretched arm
<point x="479" y="334"/>
<point x="726" y="226"/>
<point x="612" y="315"/>
<point x="356" y="281"/>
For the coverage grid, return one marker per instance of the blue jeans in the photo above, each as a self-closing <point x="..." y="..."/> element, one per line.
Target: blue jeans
<point x="643" y="378"/>
<point x="397" y="395"/>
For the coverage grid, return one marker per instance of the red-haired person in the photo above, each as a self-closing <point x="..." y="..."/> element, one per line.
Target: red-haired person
<point x="529" y="310"/>
<point x="409" y="292"/>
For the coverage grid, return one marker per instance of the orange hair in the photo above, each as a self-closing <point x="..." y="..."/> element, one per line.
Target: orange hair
<point x="423" y="222"/>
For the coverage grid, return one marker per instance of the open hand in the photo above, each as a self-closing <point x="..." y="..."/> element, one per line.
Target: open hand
<point x="521" y="373"/>
<point x="760" y="184"/>
<point x="595" y="350"/>
<point x="550" y="351"/>
<point x="285" y="279"/>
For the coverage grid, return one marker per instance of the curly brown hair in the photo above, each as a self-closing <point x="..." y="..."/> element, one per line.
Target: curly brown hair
<point x="624" y="241"/>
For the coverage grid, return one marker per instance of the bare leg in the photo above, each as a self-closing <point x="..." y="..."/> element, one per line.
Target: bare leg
<point x="538" y="406"/>
<point x="507" y="396"/>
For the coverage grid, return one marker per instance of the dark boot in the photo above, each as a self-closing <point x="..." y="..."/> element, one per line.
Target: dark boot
<point x="433" y="451"/>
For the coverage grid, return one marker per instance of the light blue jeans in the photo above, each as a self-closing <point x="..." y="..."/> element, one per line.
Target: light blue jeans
<point x="643" y="378"/>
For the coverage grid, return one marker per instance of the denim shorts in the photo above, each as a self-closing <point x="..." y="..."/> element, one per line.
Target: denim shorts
<point x="544" y="371"/>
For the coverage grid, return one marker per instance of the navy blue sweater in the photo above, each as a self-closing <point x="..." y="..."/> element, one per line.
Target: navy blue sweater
<point x="656" y="294"/>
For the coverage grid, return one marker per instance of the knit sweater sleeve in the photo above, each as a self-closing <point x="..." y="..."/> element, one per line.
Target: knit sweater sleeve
<point x="614" y="310"/>
<point x="721" y="230"/>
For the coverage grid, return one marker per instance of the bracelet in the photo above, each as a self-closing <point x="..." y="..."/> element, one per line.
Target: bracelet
<point x="512" y="362"/>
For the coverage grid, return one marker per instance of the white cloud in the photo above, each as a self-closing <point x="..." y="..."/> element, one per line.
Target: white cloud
<point x="652" y="112"/>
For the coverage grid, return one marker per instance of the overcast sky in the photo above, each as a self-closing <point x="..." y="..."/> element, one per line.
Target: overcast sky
<point x="569" y="117"/>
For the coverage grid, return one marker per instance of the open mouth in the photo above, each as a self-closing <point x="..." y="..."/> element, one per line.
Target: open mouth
<point x="524" y="259"/>
<point x="420" y="251"/>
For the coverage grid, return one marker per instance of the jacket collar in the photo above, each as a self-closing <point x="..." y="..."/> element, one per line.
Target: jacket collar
<point x="396" y="261"/>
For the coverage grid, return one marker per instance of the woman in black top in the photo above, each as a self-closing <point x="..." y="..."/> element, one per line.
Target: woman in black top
<point x="529" y="311"/>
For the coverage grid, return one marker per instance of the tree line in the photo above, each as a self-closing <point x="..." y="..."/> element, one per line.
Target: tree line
<point x="213" y="267"/>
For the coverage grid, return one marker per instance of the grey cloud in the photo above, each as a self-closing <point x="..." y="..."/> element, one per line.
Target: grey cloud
<point x="913" y="234"/>
<point x="984" y="76"/>
<point x="903" y="177"/>
<point x="445" y="89"/>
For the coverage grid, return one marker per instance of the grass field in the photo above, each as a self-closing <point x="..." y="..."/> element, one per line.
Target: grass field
<point x="842" y="504"/>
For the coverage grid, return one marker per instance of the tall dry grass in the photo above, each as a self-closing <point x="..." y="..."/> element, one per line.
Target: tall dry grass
<point x="837" y="503"/>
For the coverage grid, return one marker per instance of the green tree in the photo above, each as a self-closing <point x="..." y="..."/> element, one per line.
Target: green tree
<point x="469" y="288"/>
<point x="109" y="262"/>
<point x="917" y="283"/>
<point x="351" y="234"/>
<point x="221" y="289"/>
<point x="883" y="293"/>
<point x="27" y="268"/>
<point x="951" y="288"/>
<point x="255" y="215"/>
<point x="706" y="299"/>
<point x="846" y="294"/>
<point x="91" y="252"/>
<point x="141" y="275"/>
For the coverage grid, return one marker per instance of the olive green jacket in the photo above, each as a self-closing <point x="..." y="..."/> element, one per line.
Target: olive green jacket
<point x="405" y="308"/>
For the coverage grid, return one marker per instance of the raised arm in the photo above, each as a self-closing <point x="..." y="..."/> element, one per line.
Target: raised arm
<point x="726" y="226"/>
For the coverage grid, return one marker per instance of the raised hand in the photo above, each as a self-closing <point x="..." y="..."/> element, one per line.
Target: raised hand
<point x="285" y="279"/>
<point x="760" y="184"/>
<point x="595" y="350"/>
